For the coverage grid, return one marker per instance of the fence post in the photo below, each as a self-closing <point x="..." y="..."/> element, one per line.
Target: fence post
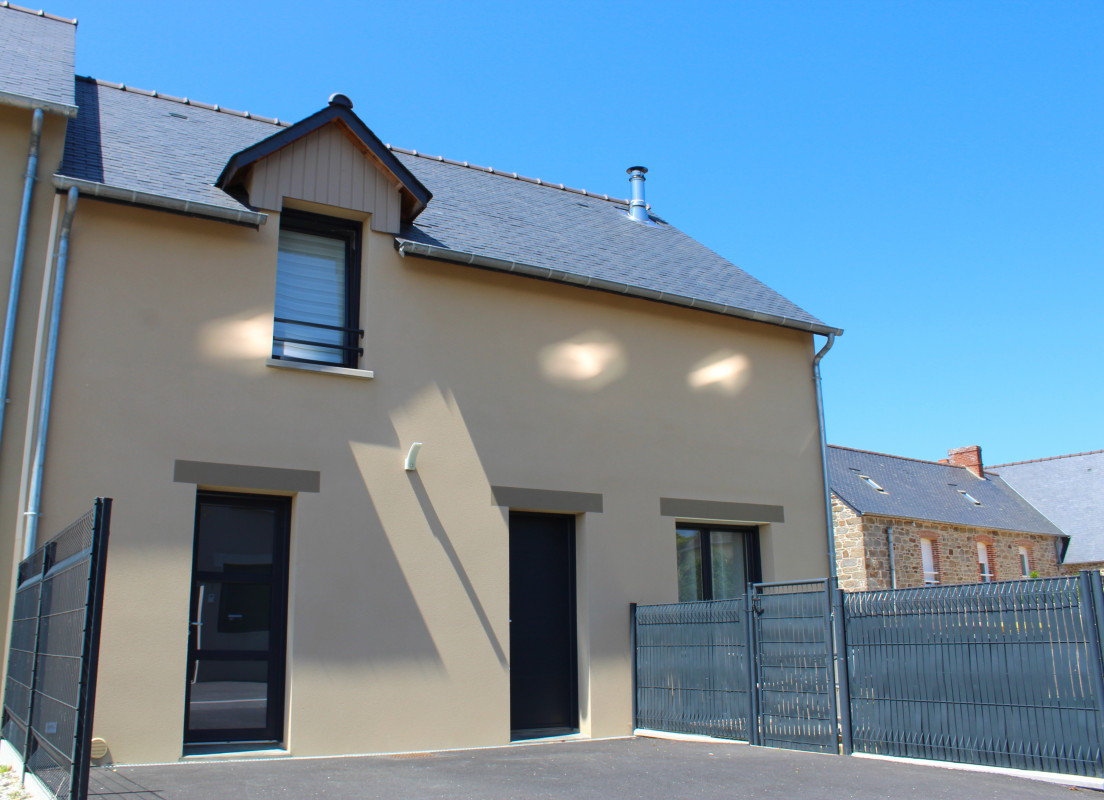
<point x="633" y="666"/>
<point x="1091" y="615"/>
<point x="1092" y="579"/>
<point x="753" y="668"/>
<point x="90" y="652"/>
<point x="829" y="670"/>
<point x="843" y="677"/>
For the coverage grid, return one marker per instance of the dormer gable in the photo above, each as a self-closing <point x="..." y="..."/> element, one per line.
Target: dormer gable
<point x="332" y="158"/>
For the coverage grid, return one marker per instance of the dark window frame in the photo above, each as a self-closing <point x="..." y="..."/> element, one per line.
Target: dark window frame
<point x="350" y="232"/>
<point x="753" y="560"/>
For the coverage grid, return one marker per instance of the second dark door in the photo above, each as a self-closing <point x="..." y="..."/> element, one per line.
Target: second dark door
<point x="543" y="661"/>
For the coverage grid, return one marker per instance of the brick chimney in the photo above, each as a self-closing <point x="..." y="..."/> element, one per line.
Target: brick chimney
<point x="969" y="457"/>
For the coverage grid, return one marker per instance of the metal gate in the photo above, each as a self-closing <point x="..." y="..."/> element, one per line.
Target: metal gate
<point x="757" y="668"/>
<point x="51" y="683"/>
<point x="793" y="649"/>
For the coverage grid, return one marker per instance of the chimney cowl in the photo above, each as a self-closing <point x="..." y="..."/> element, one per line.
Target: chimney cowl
<point x="968" y="457"/>
<point x="638" y="209"/>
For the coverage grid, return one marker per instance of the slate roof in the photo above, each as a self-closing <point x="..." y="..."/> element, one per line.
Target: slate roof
<point x="499" y="216"/>
<point x="135" y="140"/>
<point x="926" y="490"/>
<point x="177" y="148"/>
<point x="1069" y="490"/>
<point x="38" y="51"/>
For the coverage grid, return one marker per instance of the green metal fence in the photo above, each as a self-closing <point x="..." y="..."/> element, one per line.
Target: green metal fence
<point x="1001" y="674"/>
<point x="51" y="683"/>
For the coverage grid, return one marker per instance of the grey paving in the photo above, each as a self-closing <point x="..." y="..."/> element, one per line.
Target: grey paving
<point x="648" y="769"/>
<point x="1069" y="490"/>
<point x="930" y="491"/>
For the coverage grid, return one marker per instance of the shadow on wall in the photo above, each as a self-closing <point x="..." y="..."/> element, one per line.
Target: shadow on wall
<point x="442" y="537"/>
<point x="449" y="541"/>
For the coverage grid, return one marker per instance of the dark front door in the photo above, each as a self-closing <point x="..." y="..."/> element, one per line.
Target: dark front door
<point x="543" y="663"/>
<point x="236" y="645"/>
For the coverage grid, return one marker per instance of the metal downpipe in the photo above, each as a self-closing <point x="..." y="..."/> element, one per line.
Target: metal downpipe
<point x="34" y="499"/>
<point x="824" y="458"/>
<point x="17" y="264"/>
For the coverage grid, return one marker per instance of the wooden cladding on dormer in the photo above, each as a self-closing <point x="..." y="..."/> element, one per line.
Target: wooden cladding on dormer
<point x="326" y="167"/>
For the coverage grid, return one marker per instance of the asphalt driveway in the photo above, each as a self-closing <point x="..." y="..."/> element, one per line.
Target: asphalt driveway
<point x="649" y="769"/>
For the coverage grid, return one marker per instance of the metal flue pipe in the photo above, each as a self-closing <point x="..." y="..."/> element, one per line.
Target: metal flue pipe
<point x="638" y="209"/>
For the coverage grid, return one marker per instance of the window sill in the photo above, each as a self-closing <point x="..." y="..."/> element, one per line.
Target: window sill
<point x="363" y="374"/>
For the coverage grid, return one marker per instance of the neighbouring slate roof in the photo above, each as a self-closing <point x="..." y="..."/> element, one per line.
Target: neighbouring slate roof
<point x="38" y="51"/>
<point x="1069" y="490"/>
<point x="926" y="490"/>
<point x="172" y="147"/>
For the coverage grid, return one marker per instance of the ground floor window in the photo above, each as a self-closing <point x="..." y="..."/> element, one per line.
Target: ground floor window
<point x="1025" y="561"/>
<point x="716" y="562"/>
<point x="985" y="569"/>
<point x="927" y="560"/>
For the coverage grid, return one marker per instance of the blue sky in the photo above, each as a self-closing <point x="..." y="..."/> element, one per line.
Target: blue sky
<point x="928" y="176"/>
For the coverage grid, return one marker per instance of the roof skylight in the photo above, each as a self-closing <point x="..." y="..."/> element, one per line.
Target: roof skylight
<point x="969" y="497"/>
<point x="870" y="481"/>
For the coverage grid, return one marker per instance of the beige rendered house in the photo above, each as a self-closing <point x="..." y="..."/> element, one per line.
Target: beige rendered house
<point x="902" y="522"/>
<point x="393" y="440"/>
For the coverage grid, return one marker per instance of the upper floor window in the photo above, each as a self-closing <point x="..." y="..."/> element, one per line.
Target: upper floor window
<point x="317" y="305"/>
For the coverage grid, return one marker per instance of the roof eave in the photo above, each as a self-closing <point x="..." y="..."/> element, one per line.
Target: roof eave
<point x="120" y="194"/>
<point x="26" y="101"/>
<point x="405" y="246"/>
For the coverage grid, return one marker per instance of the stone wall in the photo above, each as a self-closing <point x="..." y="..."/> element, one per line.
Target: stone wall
<point x="862" y="551"/>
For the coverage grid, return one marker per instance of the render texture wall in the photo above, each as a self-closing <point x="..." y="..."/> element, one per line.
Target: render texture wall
<point x="398" y="633"/>
<point x="862" y="551"/>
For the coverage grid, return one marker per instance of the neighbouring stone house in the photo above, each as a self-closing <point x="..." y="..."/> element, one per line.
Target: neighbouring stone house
<point x="902" y="522"/>
<point x="1069" y="490"/>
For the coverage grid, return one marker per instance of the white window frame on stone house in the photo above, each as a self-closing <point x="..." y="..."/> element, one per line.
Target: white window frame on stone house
<point x="927" y="561"/>
<point x="1025" y="561"/>
<point x="985" y="569"/>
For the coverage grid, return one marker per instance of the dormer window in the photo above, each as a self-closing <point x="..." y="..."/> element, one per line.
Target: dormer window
<point x="317" y="306"/>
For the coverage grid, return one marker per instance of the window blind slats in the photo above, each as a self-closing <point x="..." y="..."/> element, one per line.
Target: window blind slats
<point x="310" y="286"/>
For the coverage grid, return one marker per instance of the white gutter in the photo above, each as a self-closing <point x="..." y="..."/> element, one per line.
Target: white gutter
<point x="824" y="457"/>
<point x="405" y="246"/>
<point x="135" y="197"/>
<point x="34" y="500"/>
<point x="33" y="103"/>
<point x="17" y="264"/>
